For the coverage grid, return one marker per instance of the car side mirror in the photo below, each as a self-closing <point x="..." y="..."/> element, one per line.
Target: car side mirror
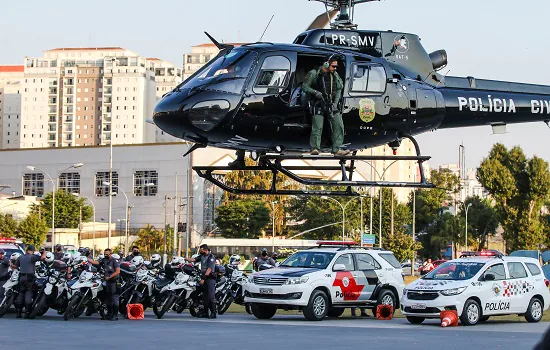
<point x="489" y="277"/>
<point x="339" y="267"/>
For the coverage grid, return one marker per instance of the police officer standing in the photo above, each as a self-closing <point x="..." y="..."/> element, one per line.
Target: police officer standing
<point x="135" y="252"/>
<point x="264" y="259"/>
<point x="4" y="271"/>
<point x="111" y="266"/>
<point x="58" y="254"/>
<point x="323" y="87"/>
<point x="208" y="280"/>
<point x="26" y="265"/>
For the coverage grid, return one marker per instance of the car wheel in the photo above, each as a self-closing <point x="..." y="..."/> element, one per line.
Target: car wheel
<point x="534" y="311"/>
<point x="386" y="297"/>
<point x="471" y="313"/>
<point x="263" y="312"/>
<point x="318" y="306"/>
<point x="415" y="319"/>
<point x="335" y="312"/>
<point x="483" y="319"/>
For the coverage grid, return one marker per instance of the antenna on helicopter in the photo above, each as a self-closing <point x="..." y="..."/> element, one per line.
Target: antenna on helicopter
<point x="266" y="28"/>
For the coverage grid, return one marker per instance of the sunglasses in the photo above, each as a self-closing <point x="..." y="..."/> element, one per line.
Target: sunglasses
<point x="334" y="66"/>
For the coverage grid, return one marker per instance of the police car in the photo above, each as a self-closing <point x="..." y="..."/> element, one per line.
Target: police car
<point x="10" y="246"/>
<point x="479" y="286"/>
<point x="324" y="280"/>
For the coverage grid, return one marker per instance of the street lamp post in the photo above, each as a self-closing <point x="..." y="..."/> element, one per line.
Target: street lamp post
<point x="343" y="213"/>
<point x="466" y="228"/>
<point x="33" y="168"/>
<point x="126" y="213"/>
<point x="93" y="224"/>
<point x="273" y="234"/>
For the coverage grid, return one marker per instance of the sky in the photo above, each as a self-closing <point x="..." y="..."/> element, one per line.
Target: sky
<point x="493" y="39"/>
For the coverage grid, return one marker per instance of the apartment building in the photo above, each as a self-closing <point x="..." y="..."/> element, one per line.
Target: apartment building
<point x="469" y="185"/>
<point x="11" y="79"/>
<point x="87" y="96"/>
<point x="167" y="76"/>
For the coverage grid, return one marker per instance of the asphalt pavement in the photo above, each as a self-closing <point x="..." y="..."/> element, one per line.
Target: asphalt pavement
<point x="243" y="332"/>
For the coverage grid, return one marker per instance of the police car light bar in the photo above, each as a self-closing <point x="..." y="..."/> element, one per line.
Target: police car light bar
<point x="7" y="240"/>
<point x="336" y="243"/>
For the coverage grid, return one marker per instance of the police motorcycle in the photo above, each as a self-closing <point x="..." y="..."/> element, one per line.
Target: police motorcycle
<point x="52" y="289"/>
<point x="11" y="287"/>
<point x="88" y="291"/>
<point x="223" y="294"/>
<point x="177" y="294"/>
<point x="141" y="290"/>
<point x="238" y="280"/>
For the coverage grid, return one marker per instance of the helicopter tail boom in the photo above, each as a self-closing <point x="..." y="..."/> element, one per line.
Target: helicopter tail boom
<point x="475" y="102"/>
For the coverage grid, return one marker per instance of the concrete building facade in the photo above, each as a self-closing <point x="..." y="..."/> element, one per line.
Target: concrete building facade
<point x="11" y="83"/>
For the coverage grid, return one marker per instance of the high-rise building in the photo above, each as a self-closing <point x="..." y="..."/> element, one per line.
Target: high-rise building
<point x="87" y="96"/>
<point x="11" y="83"/>
<point x="167" y="76"/>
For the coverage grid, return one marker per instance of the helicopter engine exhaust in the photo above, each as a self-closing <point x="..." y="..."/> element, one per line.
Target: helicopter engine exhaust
<point x="439" y="59"/>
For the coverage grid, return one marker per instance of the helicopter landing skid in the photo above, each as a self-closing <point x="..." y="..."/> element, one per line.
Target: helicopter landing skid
<point x="273" y="164"/>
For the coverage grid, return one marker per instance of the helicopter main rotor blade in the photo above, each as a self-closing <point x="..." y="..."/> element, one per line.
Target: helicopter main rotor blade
<point x="322" y="20"/>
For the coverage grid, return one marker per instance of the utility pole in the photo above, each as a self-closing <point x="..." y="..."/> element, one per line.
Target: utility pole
<point x="392" y="212"/>
<point x="128" y="228"/>
<point x="80" y="227"/>
<point x="165" y="257"/>
<point x="174" y="249"/>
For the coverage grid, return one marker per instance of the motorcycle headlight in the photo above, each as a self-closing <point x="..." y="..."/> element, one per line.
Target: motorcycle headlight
<point x="454" y="291"/>
<point x="297" y="280"/>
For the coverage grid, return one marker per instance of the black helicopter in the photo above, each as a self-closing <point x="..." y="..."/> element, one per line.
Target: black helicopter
<point x="249" y="98"/>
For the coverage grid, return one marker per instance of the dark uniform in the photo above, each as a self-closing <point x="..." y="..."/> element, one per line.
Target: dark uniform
<point x="208" y="261"/>
<point x="4" y="274"/>
<point x="26" y="263"/>
<point x="316" y="85"/>
<point x="58" y="256"/>
<point x="130" y="257"/>
<point x="110" y="265"/>
<point x="265" y="260"/>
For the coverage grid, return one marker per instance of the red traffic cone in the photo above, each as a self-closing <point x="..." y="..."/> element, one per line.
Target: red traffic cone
<point x="135" y="311"/>
<point x="384" y="312"/>
<point x="449" y="318"/>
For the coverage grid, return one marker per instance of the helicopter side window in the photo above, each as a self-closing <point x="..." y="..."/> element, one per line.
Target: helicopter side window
<point x="273" y="76"/>
<point x="367" y="78"/>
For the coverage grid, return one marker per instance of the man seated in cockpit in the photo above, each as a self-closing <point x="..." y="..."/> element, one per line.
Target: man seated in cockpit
<point x="323" y="87"/>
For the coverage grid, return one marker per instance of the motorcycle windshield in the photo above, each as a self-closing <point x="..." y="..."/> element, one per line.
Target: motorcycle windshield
<point x="225" y="73"/>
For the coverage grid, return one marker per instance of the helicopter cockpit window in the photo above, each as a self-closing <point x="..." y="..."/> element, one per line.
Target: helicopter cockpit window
<point x="273" y="76"/>
<point x="226" y="73"/>
<point x="368" y="78"/>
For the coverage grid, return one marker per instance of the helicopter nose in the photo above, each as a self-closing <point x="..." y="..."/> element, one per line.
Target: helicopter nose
<point x="168" y="114"/>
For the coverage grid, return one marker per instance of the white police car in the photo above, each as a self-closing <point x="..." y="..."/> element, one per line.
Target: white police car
<point x="323" y="281"/>
<point x="479" y="287"/>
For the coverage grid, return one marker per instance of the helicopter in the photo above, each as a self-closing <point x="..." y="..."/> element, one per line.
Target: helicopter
<point x="250" y="99"/>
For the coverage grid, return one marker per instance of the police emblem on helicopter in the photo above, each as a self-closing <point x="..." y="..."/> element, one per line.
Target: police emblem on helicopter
<point x="367" y="110"/>
<point x="401" y="44"/>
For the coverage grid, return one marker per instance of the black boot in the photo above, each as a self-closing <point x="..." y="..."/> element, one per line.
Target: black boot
<point x="239" y="162"/>
<point x="19" y="313"/>
<point x="212" y="311"/>
<point x="114" y="313"/>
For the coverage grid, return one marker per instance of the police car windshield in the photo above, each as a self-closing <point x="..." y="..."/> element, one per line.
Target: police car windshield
<point x="225" y="73"/>
<point x="455" y="270"/>
<point x="308" y="259"/>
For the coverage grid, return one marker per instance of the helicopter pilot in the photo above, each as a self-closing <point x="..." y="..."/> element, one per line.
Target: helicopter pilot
<point x="323" y="87"/>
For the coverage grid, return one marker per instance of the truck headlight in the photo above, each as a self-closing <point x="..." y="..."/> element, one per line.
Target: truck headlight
<point x="297" y="280"/>
<point x="454" y="291"/>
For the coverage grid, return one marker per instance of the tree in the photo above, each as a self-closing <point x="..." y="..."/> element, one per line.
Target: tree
<point x="482" y="221"/>
<point x="519" y="186"/>
<point x="8" y="225"/>
<point x="402" y="246"/>
<point x="262" y="180"/>
<point x="32" y="230"/>
<point x="436" y="236"/>
<point x="150" y="239"/>
<point x="242" y="218"/>
<point x="67" y="209"/>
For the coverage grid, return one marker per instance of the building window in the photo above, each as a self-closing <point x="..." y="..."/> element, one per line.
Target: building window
<point x="69" y="182"/>
<point x="144" y="178"/>
<point x="102" y="190"/>
<point x="33" y="184"/>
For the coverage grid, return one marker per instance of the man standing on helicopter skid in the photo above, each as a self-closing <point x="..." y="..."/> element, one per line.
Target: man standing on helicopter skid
<point x="323" y="87"/>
